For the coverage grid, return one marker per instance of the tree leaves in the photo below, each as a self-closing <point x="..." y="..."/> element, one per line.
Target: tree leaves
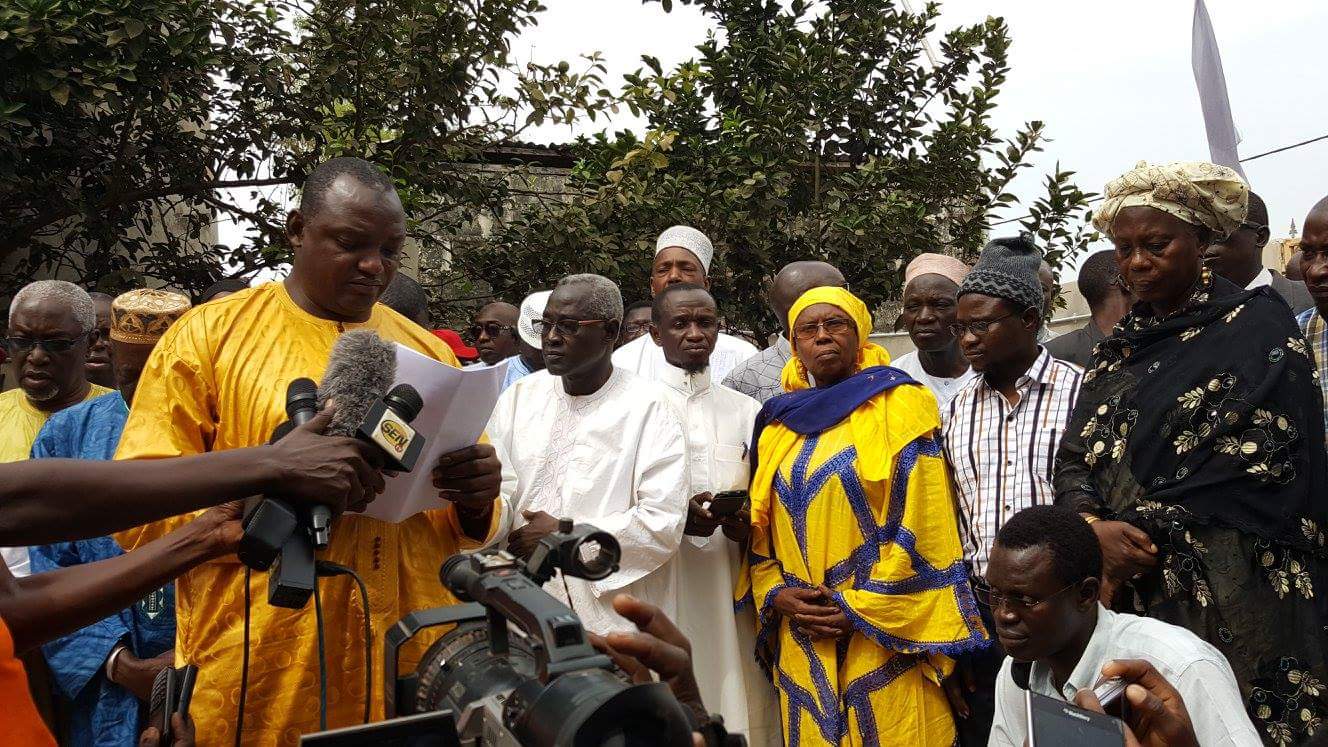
<point x="812" y="131"/>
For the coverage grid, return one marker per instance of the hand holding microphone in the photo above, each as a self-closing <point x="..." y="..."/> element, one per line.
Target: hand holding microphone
<point x="332" y="471"/>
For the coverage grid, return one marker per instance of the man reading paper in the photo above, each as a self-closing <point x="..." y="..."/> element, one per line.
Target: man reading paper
<point x="217" y="381"/>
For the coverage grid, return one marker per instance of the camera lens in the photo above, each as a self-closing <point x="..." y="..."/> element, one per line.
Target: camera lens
<point x="595" y="556"/>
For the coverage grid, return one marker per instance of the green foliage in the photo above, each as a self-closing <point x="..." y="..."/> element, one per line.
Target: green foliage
<point x="807" y="131"/>
<point x="116" y="113"/>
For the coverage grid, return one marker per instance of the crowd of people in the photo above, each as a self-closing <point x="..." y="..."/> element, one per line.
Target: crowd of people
<point x="921" y="541"/>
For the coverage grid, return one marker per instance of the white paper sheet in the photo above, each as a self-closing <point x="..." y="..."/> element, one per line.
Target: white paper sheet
<point x="457" y="406"/>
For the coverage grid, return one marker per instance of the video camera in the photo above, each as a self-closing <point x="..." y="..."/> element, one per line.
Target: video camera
<point x="518" y="669"/>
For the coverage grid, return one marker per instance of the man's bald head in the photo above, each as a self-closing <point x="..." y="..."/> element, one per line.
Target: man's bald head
<point x="1314" y="254"/>
<point x="795" y="279"/>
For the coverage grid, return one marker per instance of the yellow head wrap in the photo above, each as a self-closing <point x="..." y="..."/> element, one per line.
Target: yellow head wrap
<point x="869" y="353"/>
<point x="1199" y="193"/>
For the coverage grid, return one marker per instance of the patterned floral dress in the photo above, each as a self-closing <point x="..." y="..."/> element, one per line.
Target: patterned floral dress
<point x="1205" y="429"/>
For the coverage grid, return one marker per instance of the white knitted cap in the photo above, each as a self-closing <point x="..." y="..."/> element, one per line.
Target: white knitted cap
<point x="690" y="239"/>
<point x="531" y="309"/>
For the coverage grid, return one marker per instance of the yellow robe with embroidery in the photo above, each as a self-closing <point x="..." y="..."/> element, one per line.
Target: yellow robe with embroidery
<point x="888" y="549"/>
<point x="217" y="380"/>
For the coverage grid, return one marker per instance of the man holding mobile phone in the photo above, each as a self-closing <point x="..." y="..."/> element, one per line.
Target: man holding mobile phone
<point x="717" y="422"/>
<point x="1043" y="580"/>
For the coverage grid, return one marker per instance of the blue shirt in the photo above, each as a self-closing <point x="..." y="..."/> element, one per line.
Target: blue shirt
<point x="516" y="368"/>
<point x="103" y="713"/>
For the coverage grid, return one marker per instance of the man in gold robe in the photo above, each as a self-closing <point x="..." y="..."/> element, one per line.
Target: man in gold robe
<point x="217" y="380"/>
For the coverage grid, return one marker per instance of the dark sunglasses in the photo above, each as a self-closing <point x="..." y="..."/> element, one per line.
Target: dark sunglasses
<point x="492" y="329"/>
<point x="17" y="345"/>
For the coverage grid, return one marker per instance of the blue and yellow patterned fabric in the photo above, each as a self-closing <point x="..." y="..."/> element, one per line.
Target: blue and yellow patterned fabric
<point x="850" y="492"/>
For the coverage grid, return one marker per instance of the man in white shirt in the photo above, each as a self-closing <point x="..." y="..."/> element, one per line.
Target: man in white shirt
<point x="931" y="296"/>
<point x="682" y="255"/>
<point x="1239" y="258"/>
<point x="1043" y="581"/>
<point x="718" y="425"/>
<point x="585" y="440"/>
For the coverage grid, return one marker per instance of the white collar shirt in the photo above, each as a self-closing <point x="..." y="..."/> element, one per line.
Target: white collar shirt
<point x="616" y="459"/>
<point x="644" y="358"/>
<point x="1191" y="665"/>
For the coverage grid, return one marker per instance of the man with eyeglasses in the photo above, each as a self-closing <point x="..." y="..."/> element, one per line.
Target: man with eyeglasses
<point x="493" y="332"/>
<point x="1002" y="430"/>
<point x="682" y="255"/>
<point x="1108" y="300"/>
<point x="1239" y="258"/>
<point x="1042" y="587"/>
<point x="636" y="322"/>
<point x="51" y="325"/>
<point x="586" y="440"/>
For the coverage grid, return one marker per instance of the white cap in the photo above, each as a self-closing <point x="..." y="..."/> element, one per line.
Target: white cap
<point x="690" y="239"/>
<point x="531" y="309"/>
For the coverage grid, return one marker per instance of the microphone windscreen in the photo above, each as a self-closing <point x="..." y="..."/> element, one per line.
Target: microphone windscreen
<point x="359" y="372"/>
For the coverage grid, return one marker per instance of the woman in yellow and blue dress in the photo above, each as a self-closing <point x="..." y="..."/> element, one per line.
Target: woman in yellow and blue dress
<point x="856" y="569"/>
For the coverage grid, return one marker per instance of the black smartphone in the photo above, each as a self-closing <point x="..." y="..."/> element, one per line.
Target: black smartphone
<point x="1054" y="723"/>
<point x="727" y="503"/>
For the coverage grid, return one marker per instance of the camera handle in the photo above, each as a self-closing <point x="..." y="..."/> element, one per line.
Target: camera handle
<point x="402" y="691"/>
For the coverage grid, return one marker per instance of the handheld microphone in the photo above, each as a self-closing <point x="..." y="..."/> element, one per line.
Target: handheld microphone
<point x="359" y="371"/>
<point x="269" y="522"/>
<point x="387" y="424"/>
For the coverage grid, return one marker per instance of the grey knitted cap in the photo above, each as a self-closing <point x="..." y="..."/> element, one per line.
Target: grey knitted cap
<point x="1008" y="268"/>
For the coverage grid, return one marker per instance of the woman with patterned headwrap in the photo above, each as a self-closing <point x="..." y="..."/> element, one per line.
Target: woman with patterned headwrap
<point x="1196" y="450"/>
<point x="856" y="569"/>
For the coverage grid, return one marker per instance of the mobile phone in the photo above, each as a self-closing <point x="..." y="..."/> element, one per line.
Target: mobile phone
<point x="1054" y="723"/>
<point x="1111" y="694"/>
<point x="727" y="503"/>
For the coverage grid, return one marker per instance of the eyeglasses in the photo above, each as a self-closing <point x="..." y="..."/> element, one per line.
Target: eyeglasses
<point x="634" y="326"/>
<point x="1256" y="227"/>
<point x="492" y="329"/>
<point x="833" y="326"/>
<point x="979" y="328"/>
<point x="566" y="327"/>
<point x="987" y="597"/>
<point x="17" y="345"/>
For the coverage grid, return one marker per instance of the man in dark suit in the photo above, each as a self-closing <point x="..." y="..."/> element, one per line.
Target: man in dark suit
<point x="1240" y="259"/>
<point x="1100" y="284"/>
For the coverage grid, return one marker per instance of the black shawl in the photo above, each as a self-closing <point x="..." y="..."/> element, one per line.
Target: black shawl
<point x="1213" y="409"/>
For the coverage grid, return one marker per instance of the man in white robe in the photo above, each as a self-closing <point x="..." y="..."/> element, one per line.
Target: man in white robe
<point x="682" y="255"/>
<point x="718" y="422"/>
<point x="585" y="440"/>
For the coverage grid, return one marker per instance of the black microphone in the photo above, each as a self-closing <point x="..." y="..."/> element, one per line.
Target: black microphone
<point x="269" y="522"/>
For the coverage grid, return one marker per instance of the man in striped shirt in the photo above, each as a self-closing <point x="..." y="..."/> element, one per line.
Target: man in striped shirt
<point x="1314" y="266"/>
<point x="1001" y="432"/>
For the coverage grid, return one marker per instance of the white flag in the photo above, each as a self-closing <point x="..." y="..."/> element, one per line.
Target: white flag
<point x="1207" y="61"/>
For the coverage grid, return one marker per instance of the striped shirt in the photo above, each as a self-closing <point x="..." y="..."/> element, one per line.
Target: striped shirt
<point x="1316" y="334"/>
<point x="1002" y="456"/>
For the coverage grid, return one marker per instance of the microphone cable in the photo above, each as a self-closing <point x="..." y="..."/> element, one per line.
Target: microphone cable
<point x="244" y="667"/>
<point x="322" y="659"/>
<point x="327" y="568"/>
